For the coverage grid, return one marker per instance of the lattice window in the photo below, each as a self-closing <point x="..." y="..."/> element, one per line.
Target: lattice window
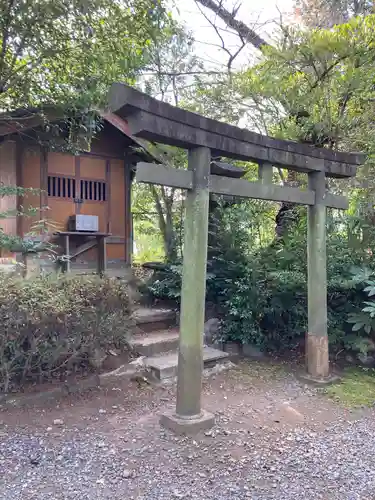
<point x="93" y="190"/>
<point x="61" y="187"/>
<point x="65" y="187"/>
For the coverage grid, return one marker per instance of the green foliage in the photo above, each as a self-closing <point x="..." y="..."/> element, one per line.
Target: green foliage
<point x="261" y="293"/>
<point x="171" y="60"/>
<point x="268" y="306"/>
<point x="315" y="86"/>
<point x="52" y="324"/>
<point x="59" y="52"/>
<point x="166" y="284"/>
<point x="365" y="318"/>
<point x="149" y="244"/>
<point x="357" y="388"/>
<point x="158" y="210"/>
<point x="327" y="13"/>
<point x="14" y="242"/>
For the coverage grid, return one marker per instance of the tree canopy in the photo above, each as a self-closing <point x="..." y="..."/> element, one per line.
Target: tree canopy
<point x="64" y="52"/>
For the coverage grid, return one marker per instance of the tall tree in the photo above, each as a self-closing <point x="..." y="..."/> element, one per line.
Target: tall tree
<point x="328" y="13"/>
<point x="64" y="52"/>
<point x="172" y="66"/>
<point x="312" y="86"/>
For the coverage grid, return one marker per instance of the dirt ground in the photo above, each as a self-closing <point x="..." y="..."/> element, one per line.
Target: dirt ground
<point x="274" y="438"/>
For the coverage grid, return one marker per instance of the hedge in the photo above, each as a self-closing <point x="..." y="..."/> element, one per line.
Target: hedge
<point x="53" y="324"/>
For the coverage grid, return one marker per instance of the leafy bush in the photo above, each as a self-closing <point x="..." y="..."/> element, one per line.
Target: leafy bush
<point x="268" y="305"/>
<point x="166" y="284"/>
<point x="52" y="324"/>
<point x="261" y="293"/>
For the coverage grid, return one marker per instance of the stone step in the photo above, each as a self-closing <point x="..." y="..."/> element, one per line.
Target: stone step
<point x="156" y="342"/>
<point x="153" y="319"/>
<point x="164" y="366"/>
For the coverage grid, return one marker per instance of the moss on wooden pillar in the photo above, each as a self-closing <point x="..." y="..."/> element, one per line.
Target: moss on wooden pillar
<point x="190" y="361"/>
<point x="317" y="357"/>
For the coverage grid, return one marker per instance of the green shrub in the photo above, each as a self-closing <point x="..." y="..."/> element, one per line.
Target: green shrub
<point x="261" y="293"/>
<point x="166" y="284"/>
<point x="52" y="324"/>
<point x="268" y="305"/>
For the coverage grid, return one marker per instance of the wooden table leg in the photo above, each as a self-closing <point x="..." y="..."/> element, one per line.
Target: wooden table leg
<point x="102" y="255"/>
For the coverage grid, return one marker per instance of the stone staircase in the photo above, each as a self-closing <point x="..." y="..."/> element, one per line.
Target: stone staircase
<point x="157" y="338"/>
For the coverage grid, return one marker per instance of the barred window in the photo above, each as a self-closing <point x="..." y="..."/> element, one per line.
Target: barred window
<point x="65" y="187"/>
<point x="61" y="187"/>
<point x="93" y="190"/>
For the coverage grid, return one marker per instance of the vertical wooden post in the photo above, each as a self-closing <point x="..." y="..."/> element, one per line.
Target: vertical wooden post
<point x="19" y="183"/>
<point x="128" y="213"/>
<point x="43" y="182"/>
<point x="190" y="360"/>
<point x="67" y="252"/>
<point x="317" y="356"/>
<point x="102" y="255"/>
<point x="108" y="215"/>
<point x="265" y="173"/>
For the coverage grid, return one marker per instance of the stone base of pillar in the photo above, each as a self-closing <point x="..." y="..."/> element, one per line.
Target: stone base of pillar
<point x="317" y="356"/>
<point x="306" y="378"/>
<point x="192" y="425"/>
<point x="317" y="361"/>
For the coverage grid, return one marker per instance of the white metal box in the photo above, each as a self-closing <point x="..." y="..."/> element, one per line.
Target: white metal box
<point x="88" y="223"/>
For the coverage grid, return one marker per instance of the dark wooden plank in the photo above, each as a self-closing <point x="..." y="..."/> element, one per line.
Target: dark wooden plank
<point x="163" y="175"/>
<point x="154" y="128"/>
<point x="83" y="248"/>
<point x="102" y="255"/>
<point x="124" y="100"/>
<point x="245" y="189"/>
<point x="116" y="240"/>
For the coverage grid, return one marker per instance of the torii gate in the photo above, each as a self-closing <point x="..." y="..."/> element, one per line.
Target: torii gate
<point x="204" y="138"/>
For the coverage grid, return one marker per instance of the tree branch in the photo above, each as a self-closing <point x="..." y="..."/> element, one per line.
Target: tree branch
<point x="229" y="18"/>
<point x="181" y="73"/>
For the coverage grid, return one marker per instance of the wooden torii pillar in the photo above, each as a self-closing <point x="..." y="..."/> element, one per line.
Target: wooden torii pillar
<point x="204" y="138"/>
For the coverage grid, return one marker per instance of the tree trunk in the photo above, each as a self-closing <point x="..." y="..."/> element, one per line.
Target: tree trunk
<point x="170" y="240"/>
<point x="230" y="19"/>
<point x="164" y="205"/>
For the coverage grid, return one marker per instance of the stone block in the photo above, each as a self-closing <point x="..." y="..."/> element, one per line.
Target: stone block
<point x="156" y="343"/>
<point x="193" y="425"/>
<point x="211" y="330"/>
<point x="251" y="351"/>
<point x="164" y="366"/>
<point x="233" y="349"/>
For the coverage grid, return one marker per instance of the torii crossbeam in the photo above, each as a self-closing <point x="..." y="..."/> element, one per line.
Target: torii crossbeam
<point x="205" y="138"/>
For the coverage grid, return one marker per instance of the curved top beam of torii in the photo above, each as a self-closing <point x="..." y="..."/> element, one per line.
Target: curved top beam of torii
<point x="161" y="122"/>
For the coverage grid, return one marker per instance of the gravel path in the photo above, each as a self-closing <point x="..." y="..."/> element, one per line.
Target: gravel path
<point x="274" y="439"/>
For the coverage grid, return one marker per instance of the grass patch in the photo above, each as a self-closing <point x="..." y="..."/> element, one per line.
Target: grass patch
<point x="356" y="389"/>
